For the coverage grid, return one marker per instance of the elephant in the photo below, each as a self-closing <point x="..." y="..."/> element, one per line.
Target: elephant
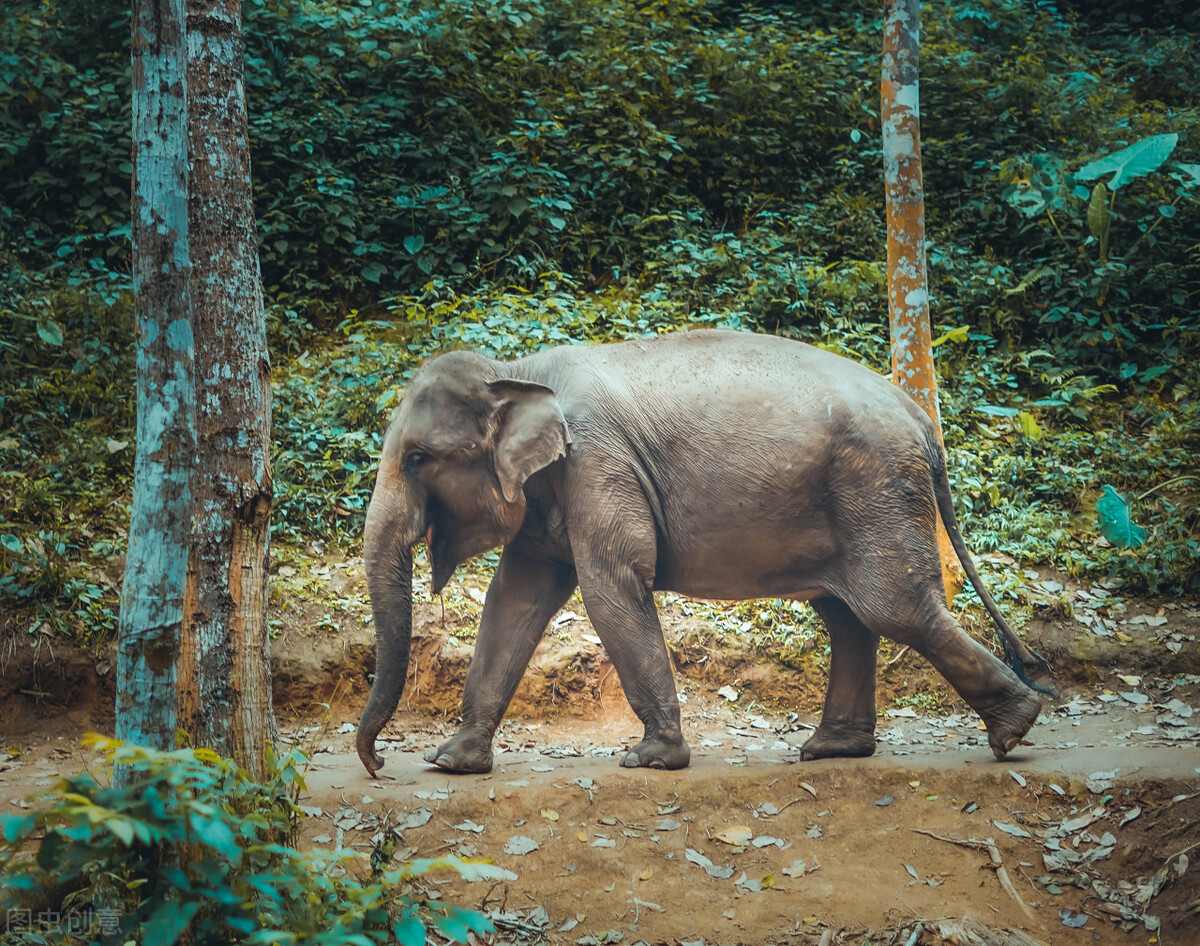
<point x="715" y="464"/>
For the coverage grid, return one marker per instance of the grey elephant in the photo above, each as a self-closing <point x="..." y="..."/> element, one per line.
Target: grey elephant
<point x="714" y="464"/>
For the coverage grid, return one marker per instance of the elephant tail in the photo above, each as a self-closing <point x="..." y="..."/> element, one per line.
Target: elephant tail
<point x="1016" y="654"/>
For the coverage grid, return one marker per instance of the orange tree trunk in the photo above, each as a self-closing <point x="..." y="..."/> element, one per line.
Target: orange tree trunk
<point x="908" y="295"/>
<point x="225" y="683"/>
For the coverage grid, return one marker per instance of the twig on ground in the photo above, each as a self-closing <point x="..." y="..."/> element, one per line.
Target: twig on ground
<point x="988" y="845"/>
<point x="897" y="658"/>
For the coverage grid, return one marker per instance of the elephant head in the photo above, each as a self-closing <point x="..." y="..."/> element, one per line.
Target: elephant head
<point x="455" y="461"/>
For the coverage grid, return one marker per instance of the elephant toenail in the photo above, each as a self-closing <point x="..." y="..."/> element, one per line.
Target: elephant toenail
<point x="431" y="755"/>
<point x="631" y="760"/>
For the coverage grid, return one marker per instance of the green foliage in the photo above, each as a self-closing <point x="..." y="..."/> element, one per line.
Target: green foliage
<point x="510" y="174"/>
<point x="188" y="845"/>
<point x="1112" y="512"/>
<point x="66" y="412"/>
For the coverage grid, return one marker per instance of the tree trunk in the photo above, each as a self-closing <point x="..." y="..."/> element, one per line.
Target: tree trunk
<point x="908" y="293"/>
<point x="225" y="684"/>
<point x="156" y="562"/>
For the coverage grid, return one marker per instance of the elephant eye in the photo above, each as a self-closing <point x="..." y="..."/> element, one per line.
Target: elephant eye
<point x="413" y="461"/>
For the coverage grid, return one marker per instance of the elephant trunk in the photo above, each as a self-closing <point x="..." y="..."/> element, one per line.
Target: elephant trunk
<point x="387" y="551"/>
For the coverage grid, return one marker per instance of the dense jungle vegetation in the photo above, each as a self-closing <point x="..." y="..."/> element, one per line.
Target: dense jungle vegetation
<point x="509" y="174"/>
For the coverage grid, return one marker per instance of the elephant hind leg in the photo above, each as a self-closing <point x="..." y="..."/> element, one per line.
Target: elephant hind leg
<point x="847" y="725"/>
<point x="914" y="612"/>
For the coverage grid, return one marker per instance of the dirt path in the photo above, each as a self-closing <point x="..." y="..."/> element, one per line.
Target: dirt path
<point x="830" y="845"/>
<point x="1095" y="825"/>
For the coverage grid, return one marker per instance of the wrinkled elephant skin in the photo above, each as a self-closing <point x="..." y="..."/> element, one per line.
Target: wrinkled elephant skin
<point x="714" y="464"/>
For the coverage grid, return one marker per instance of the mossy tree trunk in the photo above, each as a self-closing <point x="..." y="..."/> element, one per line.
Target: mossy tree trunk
<point x="908" y="292"/>
<point x="152" y="596"/>
<point x="225" y="685"/>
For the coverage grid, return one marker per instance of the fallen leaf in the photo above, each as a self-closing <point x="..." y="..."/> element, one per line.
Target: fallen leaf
<point x="763" y="840"/>
<point x="728" y="693"/>
<point x="603" y="842"/>
<point x="520" y="844"/>
<point x="912" y="873"/>
<point x="1015" y="830"/>
<point x="1129" y="816"/>
<point x="1130" y="679"/>
<point x="738" y="835"/>
<point x="884" y="801"/>
<point x="549" y="814"/>
<point x="1017" y="777"/>
<point x="582" y="835"/>
<point x="1072" y="919"/>
<point x="797" y="869"/>
<point x="646" y="874"/>
<point x="813" y="832"/>
<point x="710" y="868"/>
<point x="808" y="788"/>
<point x="469" y="825"/>
<point x="667" y="824"/>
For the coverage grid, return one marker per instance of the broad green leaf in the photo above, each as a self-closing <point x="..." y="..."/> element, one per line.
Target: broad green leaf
<point x="1193" y="173"/>
<point x="994" y="410"/>
<point x="168" y="923"/>
<point x="1112" y="512"/>
<point x="1139" y="159"/>
<point x="12" y="543"/>
<point x="954" y="335"/>
<point x="50" y="332"/>
<point x="410" y="931"/>
<point x="15" y="827"/>
<point x="453" y="925"/>
<point x="373" y="271"/>
<point x="216" y="834"/>
<point x="1029" y="426"/>
<point x="414" y="243"/>
<point x="122" y="829"/>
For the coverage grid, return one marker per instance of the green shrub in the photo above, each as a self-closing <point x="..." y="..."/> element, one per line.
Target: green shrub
<point x="185" y="845"/>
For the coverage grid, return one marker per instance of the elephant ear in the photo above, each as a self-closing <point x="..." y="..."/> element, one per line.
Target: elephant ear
<point x="531" y="432"/>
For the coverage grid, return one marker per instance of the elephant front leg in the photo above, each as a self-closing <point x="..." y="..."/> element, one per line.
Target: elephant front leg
<point x="525" y="593"/>
<point x="847" y="725"/>
<point x="624" y="616"/>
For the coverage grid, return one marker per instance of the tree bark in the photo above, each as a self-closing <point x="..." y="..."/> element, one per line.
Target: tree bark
<point x="156" y="562"/>
<point x="225" y="685"/>
<point x="908" y="293"/>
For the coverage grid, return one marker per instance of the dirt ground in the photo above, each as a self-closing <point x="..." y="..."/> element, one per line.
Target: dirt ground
<point x="1090" y="834"/>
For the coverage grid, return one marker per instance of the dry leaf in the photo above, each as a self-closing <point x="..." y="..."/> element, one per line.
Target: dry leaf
<point x="738" y="835"/>
<point x="549" y="814"/>
<point x="808" y="788"/>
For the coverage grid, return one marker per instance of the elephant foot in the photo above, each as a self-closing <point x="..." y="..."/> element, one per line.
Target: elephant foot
<point x="462" y="752"/>
<point x="658" y="753"/>
<point x="842" y="741"/>
<point x="1008" y="723"/>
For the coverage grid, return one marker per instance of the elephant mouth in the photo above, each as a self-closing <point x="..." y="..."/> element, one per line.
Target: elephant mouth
<point x="442" y="560"/>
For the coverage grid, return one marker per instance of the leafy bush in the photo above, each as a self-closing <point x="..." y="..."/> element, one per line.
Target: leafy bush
<point x="506" y="175"/>
<point x="185" y="845"/>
